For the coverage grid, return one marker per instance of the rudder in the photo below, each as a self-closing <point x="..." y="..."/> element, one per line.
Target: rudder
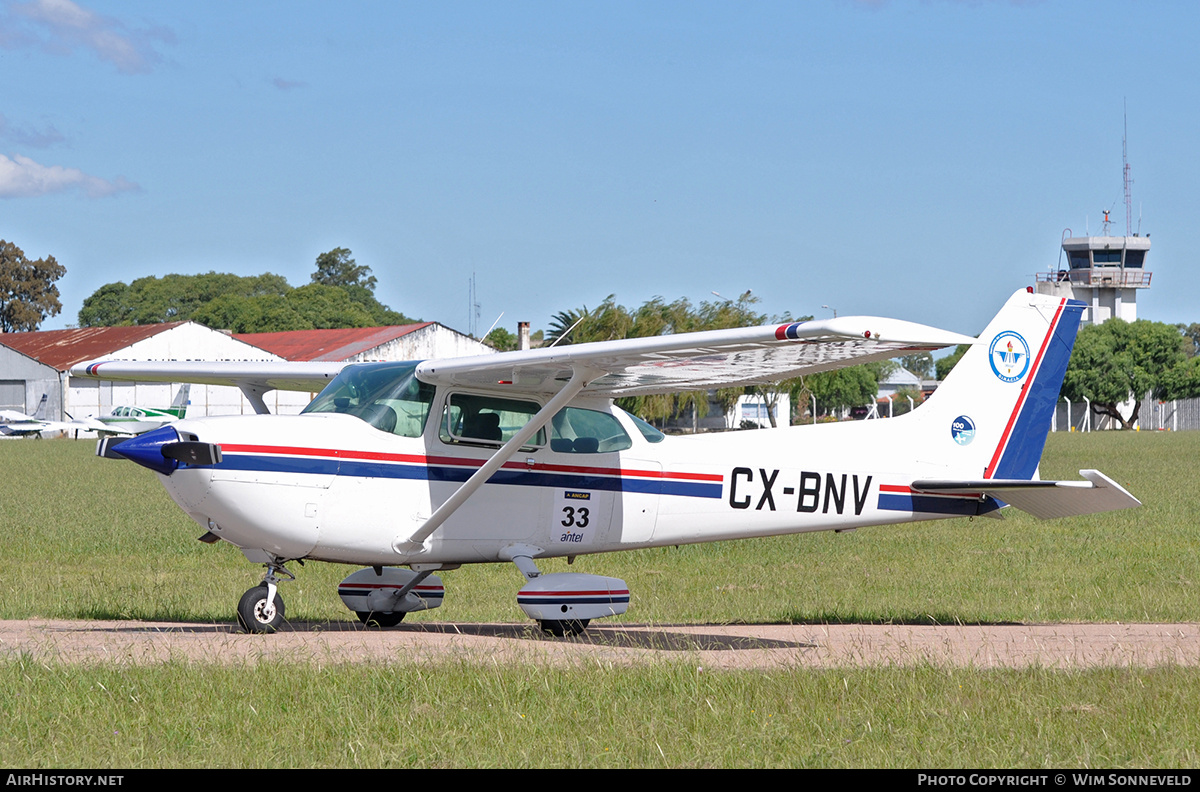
<point x="990" y="417"/>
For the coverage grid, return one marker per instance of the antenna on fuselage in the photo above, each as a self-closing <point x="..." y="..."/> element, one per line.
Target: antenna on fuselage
<point x="493" y="327"/>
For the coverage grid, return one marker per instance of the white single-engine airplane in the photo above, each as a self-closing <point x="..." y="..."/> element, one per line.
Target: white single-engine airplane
<point x="523" y="455"/>
<point x="15" y="424"/>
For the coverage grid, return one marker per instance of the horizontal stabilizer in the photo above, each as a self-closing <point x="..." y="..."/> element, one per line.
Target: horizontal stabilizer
<point x="1043" y="499"/>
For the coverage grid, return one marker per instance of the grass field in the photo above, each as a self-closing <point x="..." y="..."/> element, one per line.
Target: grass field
<point x="90" y="538"/>
<point x="661" y="715"/>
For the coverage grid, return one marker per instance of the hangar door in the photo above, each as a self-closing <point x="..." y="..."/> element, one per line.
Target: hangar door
<point x="12" y="395"/>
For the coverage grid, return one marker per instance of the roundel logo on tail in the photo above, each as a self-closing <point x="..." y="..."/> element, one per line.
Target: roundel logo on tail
<point x="1009" y="355"/>
<point x="962" y="429"/>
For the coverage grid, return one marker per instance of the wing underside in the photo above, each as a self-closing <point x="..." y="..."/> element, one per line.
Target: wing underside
<point x="696" y="361"/>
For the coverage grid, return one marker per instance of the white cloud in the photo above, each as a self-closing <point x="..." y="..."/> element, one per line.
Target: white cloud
<point x="21" y="177"/>
<point x="61" y="26"/>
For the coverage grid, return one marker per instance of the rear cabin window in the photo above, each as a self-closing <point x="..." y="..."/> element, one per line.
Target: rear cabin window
<point x="575" y="430"/>
<point x="487" y="420"/>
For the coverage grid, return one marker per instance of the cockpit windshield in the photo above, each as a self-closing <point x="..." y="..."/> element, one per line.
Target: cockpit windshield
<point x="386" y="395"/>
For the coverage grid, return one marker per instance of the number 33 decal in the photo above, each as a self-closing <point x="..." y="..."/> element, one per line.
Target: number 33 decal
<point x="575" y="517"/>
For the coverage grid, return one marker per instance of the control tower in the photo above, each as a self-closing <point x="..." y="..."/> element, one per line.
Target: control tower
<point x="1104" y="271"/>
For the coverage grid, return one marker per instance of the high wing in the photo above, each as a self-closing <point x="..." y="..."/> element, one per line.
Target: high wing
<point x="253" y="378"/>
<point x="1043" y="499"/>
<point x="265" y="375"/>
<point x="696" y="361"/>
<point x="632" y="366"/>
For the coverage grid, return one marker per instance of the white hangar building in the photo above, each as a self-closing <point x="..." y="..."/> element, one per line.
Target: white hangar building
<point x="420" y="341"/>
<point x="39" y="362"/>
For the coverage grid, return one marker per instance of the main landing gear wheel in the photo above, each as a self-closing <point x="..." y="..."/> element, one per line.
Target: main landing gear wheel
<point x="561" y="628"/>
<point x="255" y="616"/>
<point x="372" y="619"/>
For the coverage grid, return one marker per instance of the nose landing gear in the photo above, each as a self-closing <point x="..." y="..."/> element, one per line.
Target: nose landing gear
<point x="258" y="612"/>
<point x="261" y="608"/>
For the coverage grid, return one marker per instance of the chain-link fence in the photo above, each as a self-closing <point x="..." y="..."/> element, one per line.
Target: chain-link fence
<point x="1176" y="416"/>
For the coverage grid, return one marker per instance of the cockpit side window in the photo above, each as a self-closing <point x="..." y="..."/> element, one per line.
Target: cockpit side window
<point x="574" y="430"/>
<point x="487" y="420"/>
<point x="388" y="396"/>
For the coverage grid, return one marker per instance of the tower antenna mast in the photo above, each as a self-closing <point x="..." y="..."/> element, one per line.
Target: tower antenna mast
<point x="1128" y="181"/>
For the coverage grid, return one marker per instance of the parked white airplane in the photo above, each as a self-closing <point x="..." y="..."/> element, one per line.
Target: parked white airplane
<point x="17" y="424"/>
<point x="522" y="455"/>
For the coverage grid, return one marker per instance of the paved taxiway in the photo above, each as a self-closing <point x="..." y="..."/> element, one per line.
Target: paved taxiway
<point x="761" y="646"/>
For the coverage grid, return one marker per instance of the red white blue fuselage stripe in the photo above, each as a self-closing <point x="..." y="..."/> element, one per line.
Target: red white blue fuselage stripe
<point x="345" y="462"/>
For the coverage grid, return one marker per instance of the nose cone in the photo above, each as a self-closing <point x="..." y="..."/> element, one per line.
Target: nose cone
<point x="147" y="450"/>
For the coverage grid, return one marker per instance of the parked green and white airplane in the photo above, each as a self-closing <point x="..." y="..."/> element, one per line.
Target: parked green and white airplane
<point x="136" y="420"/>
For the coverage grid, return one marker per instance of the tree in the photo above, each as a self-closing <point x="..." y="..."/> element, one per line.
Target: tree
<point x="1192" y="334"/>
<point x="245" y="304"/>
<point x="338" y="268"/>
<point x="840" y="388"/>
<point x="1120" y="361"/>
<point x="919" y="363"/>
<point x="501" y="339"/>
<point x="28" y="293"/>
<point x="945" y="365"/>
<point x="268" y="313"/>
<point x="171" y="298"/>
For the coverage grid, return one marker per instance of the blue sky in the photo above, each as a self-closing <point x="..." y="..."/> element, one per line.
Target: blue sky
<point x="910" y="159"/>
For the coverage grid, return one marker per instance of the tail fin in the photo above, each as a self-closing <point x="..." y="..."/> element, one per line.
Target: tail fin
<point x="990" y="417"/>
<point x="40" y="413"/>
<point x="179" y="406"/>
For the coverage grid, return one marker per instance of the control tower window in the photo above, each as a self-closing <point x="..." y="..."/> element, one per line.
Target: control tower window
<point x="1080" y="259"/>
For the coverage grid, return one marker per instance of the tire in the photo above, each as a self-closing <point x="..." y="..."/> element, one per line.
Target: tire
<point x="372" y="619"/>
<point x="562" y="628"/>
<point x="252" y="615"/>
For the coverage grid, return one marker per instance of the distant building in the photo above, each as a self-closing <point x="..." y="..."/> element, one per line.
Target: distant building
<point x="420" y="341"/>
<point x="39" y="362"/>
<point x="751" y="411"/>
<point x="900" y="379"/>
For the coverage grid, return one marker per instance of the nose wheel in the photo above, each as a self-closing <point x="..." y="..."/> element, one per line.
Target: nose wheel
<point x="261" y="608"/>
<point x="257" y="613"/>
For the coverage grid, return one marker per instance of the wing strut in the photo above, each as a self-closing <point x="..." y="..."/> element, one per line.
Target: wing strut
<point x="580" y="377"/>
<point x="254" y="395"/>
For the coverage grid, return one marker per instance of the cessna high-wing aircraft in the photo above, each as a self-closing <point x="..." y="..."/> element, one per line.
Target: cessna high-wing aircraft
<point x="522" y="455"/>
